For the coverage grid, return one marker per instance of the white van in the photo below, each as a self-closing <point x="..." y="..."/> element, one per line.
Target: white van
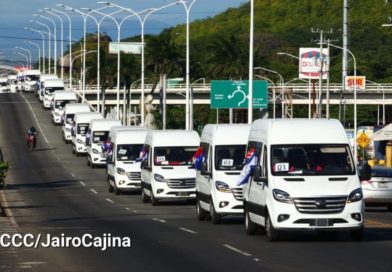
<point x="81" y="121"/>
<point x="68" y="118"/>
<point x="223" y="150"/>
<point x="123" y="169"/>
<point x="98" y="132"/>
<point x="167" y="171"/>
<point x="31" y="78"/>
<point x="304" y="178"/>
<point x="4" y="85"/>
<point x="50" y="86"/>
<point x="60" y="99"/>
<point x="20" y="81"/>
<point x="41" y="84"/>
<point x="12" y="83"/>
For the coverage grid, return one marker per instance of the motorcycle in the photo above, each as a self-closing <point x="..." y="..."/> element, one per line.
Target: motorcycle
<point x="31" y="141"/>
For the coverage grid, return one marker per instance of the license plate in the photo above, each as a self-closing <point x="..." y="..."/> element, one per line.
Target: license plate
<point x="182" y="194"/>
<point x="382" y="185"/>
<point x="321" y="222"/>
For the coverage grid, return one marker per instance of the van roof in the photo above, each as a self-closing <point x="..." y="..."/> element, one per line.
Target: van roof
<point x="103" y="124"/>
<point x="298" y="131"/>
<point x="54" y="83"/>
<point x="86" y="117"/>
<point x="76" y="107"/>
<point x="226" y="134"/>
<point x="172" y="137"/>
<point x="130" y="136"/>
<point x="32" y="72"/>
<point x="48" y="77"/>
<point x="69" y="95"/>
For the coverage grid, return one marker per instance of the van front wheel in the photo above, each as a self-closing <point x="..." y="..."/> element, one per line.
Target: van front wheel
<point x="272" y="233"/>
<point x="215" y="217"/>
<point x="144" y="196"/>
<point x="250" y="227"/>
<point x="154" y="201"/>
<point x="201" y="214"/>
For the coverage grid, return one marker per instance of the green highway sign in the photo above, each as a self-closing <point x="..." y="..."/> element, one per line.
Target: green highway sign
<point x="226" y="94"/>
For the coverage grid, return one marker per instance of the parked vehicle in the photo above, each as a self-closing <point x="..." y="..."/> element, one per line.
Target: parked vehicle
<point x="31" y="78"/>
<point x="4" y="85"/>
<point x="60" y="99"/>
<point x="167" y="171"/>
<point x="216" y="190"/>
<point x="68" y="118"/>
<point x="81" y="122"/>
<point x="123" y="163"/>
<point x="12" y="83"/>
<point x="98" y="133"/>
<point x="304" y="178"/>
<point x="377" y="191"/>
<point x="20" y="81"/>
<point x="50" y="86"/>
<point x="41" y="84"/>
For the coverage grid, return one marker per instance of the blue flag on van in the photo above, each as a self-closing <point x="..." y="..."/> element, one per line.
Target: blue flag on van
<point x="198" y="158"/>
<point x="248" y="167"/>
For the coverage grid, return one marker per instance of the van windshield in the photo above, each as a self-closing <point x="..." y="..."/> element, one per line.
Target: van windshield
<point x="32" y="78"/>
<point x="229" y="157"/>
<point x="82" y="129"/>
<point x="174" y="155"/>
<point x="60" y="104"/>
<point x="100" y="136"/>
<point x="49" y="90"/>
<point x="69" y="118"/>
<point x="129" y="152"/>
<point x="311" y="160"/>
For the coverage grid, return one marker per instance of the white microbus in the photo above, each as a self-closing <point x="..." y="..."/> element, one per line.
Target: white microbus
<point x="68" y="118"/>
<point x="167" y="171"/>
<point x="60" y="100"/>
<point x="304" y="178"/>
<point x="49" y="87"/>
<point x="98" y="132"/>
<point x="31" y="78"/>
<point x="41" y="84"/>
<point x="223" y="148"/>
<point x="123" y="169"/>
<point x="12" y="83"/>
<point x="81" y="121"/>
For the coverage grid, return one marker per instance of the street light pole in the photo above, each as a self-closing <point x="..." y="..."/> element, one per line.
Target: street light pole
<point x="49" y="41"/>
<point x="39" y="52"/>
<point x="24" y="55"/>
<point x="383" y="99"/>
<point x="250" y="91"/>
<point x="43" y="45"/>
<point x="28" y="52"/>
<point x="191" y="101"/>
<point x="54" y="39"/>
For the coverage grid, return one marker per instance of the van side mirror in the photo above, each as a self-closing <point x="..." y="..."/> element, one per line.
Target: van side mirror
<point x="204" y="169"/>
<point x="144" y="165"/>
<point x="257" y="174"/>
<point x="366" y="172"/>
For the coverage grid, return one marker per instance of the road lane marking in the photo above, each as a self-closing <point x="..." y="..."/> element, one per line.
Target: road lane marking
<point x="72" y="174"/>
<point x="237" y="250"/>
<point x="81" y="182"/>
<point x="159" y="220"/>
<point x="188" y="230"/>
<point x="95" y="192"/>
<point x="128" y="209"/>
<point x="109" y="200"/>
<point x="36" y="120"/>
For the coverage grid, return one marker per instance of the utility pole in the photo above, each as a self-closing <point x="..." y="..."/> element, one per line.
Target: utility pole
<point x="322" y="62"/>
<point x="345" y="47"/>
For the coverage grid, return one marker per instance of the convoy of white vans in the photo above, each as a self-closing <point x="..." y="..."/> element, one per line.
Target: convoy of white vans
<point x="280" y="175"/>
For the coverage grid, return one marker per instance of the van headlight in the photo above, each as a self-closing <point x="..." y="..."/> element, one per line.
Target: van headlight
<point x="159" y="178"/>
<point x="95" y="151"/>
<point x="222" y="187"/>
<point x="57" y="114"/>
<point x="120" y="171"/>
<point x="355" y="196"/>
<point x="79" y="141"/>
<point x="281" y="196"/>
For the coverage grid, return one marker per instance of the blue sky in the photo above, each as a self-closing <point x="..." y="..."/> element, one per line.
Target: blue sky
<point x="15" y="15"/>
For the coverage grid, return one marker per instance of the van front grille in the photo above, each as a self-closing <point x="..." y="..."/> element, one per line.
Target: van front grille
<point x="238" y="194"/>
<point x="134" y="175"/>
<point x="181" y="183"/>
<point x="320" y="205"/>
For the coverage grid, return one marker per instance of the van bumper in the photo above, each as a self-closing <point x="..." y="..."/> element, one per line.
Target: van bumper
<point x="350" y="218"/>
<point x="229" y="203"/>
<point x="163" y="191"/>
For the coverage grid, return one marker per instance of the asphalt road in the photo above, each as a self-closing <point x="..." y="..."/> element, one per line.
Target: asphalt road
<point x="50" y="191"/>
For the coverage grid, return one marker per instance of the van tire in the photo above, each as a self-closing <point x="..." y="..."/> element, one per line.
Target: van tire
<point x="250" y="227"/>
<point x="116" y="190"/>
<point x="145" y="197"/>
<point x="271" y="232"/>
<point x="88" y="162"/>
<point x="110" y="188"/>
<point x="154" y="201"/>
<point x="73" y="151"/>
<point x="201" y="214"/>
<point x="215" y="217"/>
<point x="357" y="235"/>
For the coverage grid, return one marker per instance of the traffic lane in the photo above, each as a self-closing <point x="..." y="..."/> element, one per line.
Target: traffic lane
<point x="182" y="216"/>
<point x="46" y="199"/>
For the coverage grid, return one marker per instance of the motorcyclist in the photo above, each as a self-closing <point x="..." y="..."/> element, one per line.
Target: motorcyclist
<point x="32" y="132"/>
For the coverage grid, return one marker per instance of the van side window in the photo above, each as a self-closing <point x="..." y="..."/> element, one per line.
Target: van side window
<point x="207" y="155"/>
<point x="265" y="162"/>
<point x="257" y="147"/>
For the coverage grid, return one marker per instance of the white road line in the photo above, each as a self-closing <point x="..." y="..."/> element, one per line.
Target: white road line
<point x="237" y="250"/>
<point x="188" y="230"/>
<point x="95" y="192"/>
<point x="81" y="182"/>
<point x="36" y="120"/>
<point x="159" y="220"/>
<point x="72" y="174"/>
<point x="109" y="200"/>
<point x="128" y="209"/>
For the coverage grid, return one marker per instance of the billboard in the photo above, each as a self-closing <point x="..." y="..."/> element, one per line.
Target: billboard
<point x="126" y="47"/>
<point x="310" y="63"/>
<point x="359" y="82"/>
